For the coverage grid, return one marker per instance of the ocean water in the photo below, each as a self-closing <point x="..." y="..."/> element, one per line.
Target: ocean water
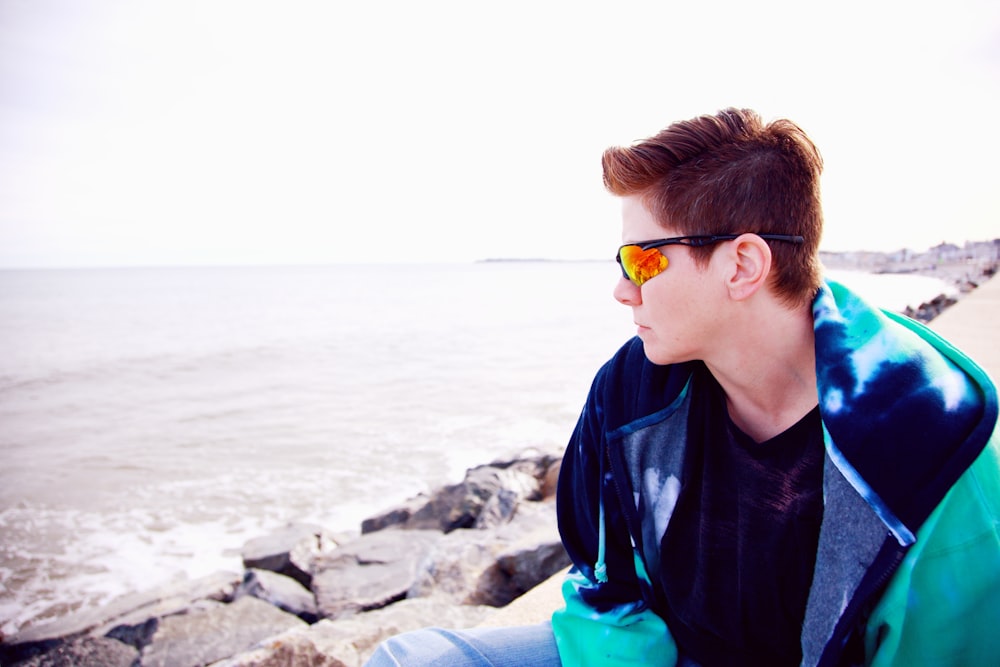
<point x="153" y="420"/>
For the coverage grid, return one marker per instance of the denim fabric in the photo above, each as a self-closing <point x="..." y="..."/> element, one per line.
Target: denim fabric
<point x="522" y="646"/>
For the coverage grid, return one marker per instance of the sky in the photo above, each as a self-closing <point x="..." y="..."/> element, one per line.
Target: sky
<point x="191" y="132"/>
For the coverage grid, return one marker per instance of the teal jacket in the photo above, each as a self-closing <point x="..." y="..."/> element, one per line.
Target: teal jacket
<point x="907" y="567"/>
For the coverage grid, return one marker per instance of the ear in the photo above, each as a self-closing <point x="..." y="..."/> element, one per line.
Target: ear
<point x="750" y="266"/>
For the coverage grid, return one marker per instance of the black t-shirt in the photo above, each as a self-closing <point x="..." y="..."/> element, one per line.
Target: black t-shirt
<point x="738" y="554"/>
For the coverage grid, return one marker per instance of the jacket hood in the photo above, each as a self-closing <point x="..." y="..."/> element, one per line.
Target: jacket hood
<point x="905" y="413"/>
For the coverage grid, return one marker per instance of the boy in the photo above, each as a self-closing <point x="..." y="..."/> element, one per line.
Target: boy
<point x="771" y="472"/>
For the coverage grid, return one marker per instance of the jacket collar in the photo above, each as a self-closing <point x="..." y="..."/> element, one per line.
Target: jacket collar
<point x="905" y="413"/>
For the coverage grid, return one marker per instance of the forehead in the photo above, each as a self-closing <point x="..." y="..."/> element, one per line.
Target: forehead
<point x="638" y="222"/>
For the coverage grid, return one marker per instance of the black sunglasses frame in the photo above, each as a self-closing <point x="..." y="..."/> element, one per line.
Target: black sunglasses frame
<point x="699" y="240"/>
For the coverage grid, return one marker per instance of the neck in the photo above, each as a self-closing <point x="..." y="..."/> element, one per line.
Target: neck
<point x="769" y="374"/>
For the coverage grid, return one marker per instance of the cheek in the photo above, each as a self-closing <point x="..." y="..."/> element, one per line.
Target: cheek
<point x="663" y="299"/>
<point x="662" y="311"/>
<point x="675" y="315"/>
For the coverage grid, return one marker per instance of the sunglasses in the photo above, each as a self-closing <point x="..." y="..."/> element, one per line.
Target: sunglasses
<point x="642" y="261"/>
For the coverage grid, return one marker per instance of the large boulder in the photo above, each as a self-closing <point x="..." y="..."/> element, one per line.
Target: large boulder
<point x="289" y="551"/>
<point x="493" y="567"/>
<point x="132" y="610"/>
<point x="370" y="572"/>
<point x="460" y="505"/>
<point x="529" y="562"/>
<point x="200" y="638"/>
<point x="455" y="565"/>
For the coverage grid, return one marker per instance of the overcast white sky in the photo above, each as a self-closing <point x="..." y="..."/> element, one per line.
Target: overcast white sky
<point x="227" y="131"/>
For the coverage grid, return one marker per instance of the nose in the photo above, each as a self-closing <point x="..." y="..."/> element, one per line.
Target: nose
<point x="627" y="292"/>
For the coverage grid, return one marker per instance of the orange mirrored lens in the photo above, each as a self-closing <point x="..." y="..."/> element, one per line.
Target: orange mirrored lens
<point x="641" y="265"/>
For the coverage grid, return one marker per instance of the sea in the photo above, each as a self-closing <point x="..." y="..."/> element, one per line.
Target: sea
<point x="152" y="420"/>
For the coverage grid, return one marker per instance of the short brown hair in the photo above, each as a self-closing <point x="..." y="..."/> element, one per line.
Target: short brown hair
<point x="730" y="173"/>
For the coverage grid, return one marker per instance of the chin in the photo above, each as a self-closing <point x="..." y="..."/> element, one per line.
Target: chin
<point x="663" y="356"/>
<point x="657" y="356"/>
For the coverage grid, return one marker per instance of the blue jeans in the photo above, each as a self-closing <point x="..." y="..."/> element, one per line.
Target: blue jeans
<point x="522" y="646"/>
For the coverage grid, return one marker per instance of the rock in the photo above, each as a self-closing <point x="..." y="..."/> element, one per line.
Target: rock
<point x="375" y="570"/>
<point x="86" y="652"/>
<point x="350" y="641"/>
<point x="283" y="592"/>
<point x="295" y="648"/>
<point x="533" y="462"/>
<point x="141" y="635"/>
<point x="136" y="636"/>
<point x="531" y="552"/>
<point x="459" y="505"/>
<point x="551" y="479"/>
<point x="396" y="517"/>
<point x="289" y="551"/>
<point x="498" y="510"/>
<point x="455" y="565"/>
<point x="367" y="630"/>
<point x="494" y="567"/>
<point x="928" y="310"/>
<point x="130" y="610"/>
<point x="528" y="564"/>
<point x="488" y="541"/>
<point x="199" y="638"/>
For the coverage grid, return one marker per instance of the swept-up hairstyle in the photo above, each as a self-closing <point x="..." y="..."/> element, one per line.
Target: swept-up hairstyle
<point x="730" y="173"/>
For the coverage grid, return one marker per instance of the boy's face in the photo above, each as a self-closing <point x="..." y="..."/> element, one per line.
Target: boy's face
<point x="676" y="312"/>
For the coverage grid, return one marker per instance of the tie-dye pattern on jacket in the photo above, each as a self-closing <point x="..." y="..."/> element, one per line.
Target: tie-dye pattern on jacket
<point x="897" y="411"/>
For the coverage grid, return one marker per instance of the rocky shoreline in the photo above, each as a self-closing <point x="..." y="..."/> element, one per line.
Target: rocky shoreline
<point x="307" y="597"/>
<point x="450" y="558"/>
<point x="964" y="268"/>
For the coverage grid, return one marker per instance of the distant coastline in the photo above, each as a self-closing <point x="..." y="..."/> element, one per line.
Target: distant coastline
<point x="528" y="260"/>
<point x="965" y="267"/>
<point x="973" y="257"/>
<point x="962" y="266"/>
